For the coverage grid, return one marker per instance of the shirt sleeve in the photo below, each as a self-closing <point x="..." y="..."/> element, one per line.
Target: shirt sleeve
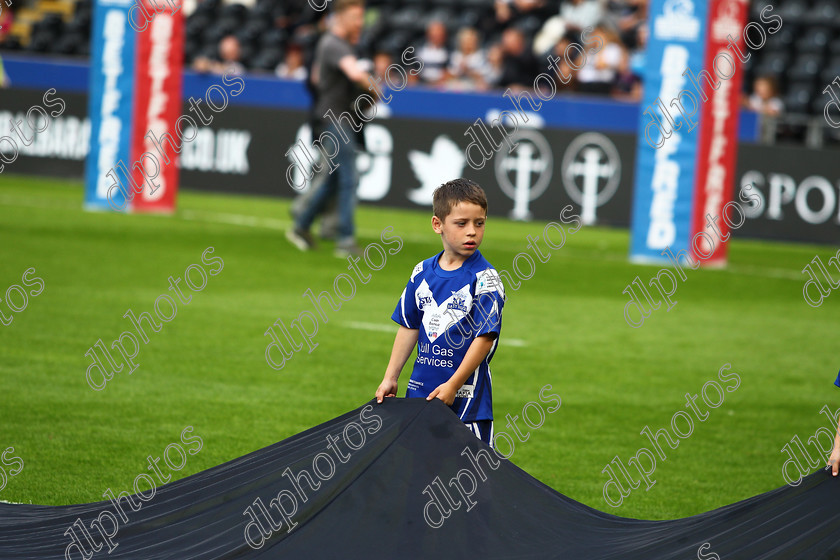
<point x="487" y="305"/>
<point x="335" y="52"/>
<point x="406" y="313"/>
<point x="837" y="381"/>
<point x="454" y="61"/>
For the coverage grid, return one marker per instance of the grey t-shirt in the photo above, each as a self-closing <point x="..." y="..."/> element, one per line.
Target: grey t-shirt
<point x="335" y="90"/>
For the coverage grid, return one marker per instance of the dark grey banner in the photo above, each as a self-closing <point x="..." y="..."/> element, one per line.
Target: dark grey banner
<point x="244" y="151"/>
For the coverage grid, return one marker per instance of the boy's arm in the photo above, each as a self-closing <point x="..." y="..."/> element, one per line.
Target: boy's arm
<point x="478" y="350"/>
<point x="834" y="458"/>
<point x="404" y="344"/>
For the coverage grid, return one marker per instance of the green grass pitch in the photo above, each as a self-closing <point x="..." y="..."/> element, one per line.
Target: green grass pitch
<point x="206" y="367"/>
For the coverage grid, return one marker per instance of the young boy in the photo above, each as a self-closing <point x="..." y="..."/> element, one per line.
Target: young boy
<point x="452" y="310"/>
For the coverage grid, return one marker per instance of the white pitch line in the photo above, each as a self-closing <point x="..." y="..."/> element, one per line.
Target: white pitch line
<point x="782" y="273"/>
<point x="513" y="342"/>
<point x="37" y="202"/>
<point x="379" y="327"/>
<point x="282" y="225"/>
<point x="234" y="219"/>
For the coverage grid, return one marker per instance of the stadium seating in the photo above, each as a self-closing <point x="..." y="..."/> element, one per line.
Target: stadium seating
<point x="803" y="56"/>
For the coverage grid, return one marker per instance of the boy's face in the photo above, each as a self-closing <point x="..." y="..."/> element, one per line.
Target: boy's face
<point x="462" y="230"/>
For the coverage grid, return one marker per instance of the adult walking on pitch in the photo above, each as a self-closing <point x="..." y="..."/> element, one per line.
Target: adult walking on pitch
<point x="338" y="77"/>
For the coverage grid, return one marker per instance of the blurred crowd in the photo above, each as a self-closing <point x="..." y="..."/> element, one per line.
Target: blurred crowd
<point x="505" y="50"/>
<point x="506" y="55"/>
<point x="504" y="44"/>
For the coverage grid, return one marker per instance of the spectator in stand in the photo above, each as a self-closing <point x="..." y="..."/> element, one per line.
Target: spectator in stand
<point x="510" y="12"/>
<point x="292" y="68"/>
<point x="552" y="32"/>
<point x="230" y="53"/>
<point x="382" y="60"/>
<point x="434" y="54"/>
<point x="600" y="73"/>
<point x="559" y="52"/>
<point x="228" y="62"/>
<point x="579" y="14"/>
<point x="519" y="67"/>
<point x="468" y="64"/>
<point x="637" y="55"/>
<point x="626" y="17"/>
<point x="494" y="68"/>
<point x="631" y="72"/>
<point x="765" y="98"/>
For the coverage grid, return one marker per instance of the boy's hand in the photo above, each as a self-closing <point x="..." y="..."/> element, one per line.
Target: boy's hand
<point x="388" y="388"/>
<point x="445" y="392"/>
<point x="834" y="460"/>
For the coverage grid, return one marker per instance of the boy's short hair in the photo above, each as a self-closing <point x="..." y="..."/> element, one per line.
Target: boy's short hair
<point x="457" y="190"/>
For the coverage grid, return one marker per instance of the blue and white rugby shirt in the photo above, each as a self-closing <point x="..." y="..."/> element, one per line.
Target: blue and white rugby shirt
<point x="451" y="308"/>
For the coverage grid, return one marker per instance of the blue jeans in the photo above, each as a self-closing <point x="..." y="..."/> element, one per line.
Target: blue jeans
<point x="343" y="180"/>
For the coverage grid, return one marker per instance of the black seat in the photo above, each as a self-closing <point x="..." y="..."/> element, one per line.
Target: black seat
<point x="773" y="62"/>
<point x="68" y="44"/>
<point x="831" y="70"/>
<point x="82" y="6"/>
<point x="439" y="14"/>
<point x="191" y="50"/>
<point x="793" y="11"/>
<point x="798" y="99"/>
<point x="40" y="42"/>
<point x="406" y="18"/>
<point x="468" y="18"/>
<point x="273" y="38"/>
<point x="51" y="24"/>
<point x="208" y="7"/>
<point x="196" y="24"/>
<point x="814" y="40"/>
<point x="448" y="4"/>
<point x="395" y="42"/>
<point x="267" y="59"/>
<point x="209" y="50"/>
<point x="818" y="106"/>
<point x="806" y="68"/>
<point x="250" y="32"/>
<point x="218" y="30"/>
<point x="757" y="7"/>
<point x="530" y="25"/>
<point x="11" y="43"/>
<point x="484" y="5"/>
<point x="824" y="12"/>
<point x="79" y="24"/>
<point x="235" y="11"/>
<point x="257" y="24"/>
<point x="263" y="9"/>
<point x="784" y="38"/>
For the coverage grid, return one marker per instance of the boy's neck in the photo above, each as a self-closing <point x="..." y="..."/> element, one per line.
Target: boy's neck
<point x="451" y="261"/>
